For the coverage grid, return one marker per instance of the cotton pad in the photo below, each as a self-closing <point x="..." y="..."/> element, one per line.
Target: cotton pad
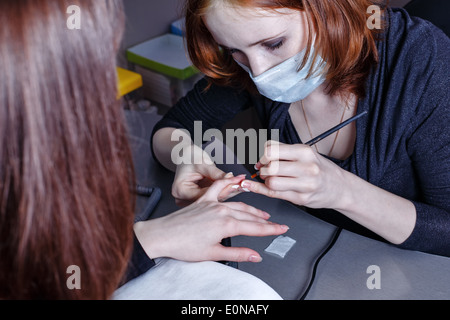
<point x="280" y="246"/>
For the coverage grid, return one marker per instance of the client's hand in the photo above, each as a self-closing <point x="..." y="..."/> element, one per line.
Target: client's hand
<point x="194" y="233"/>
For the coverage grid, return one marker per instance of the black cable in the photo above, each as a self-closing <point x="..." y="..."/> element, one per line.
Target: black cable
<point x="154" y="195"/>
<point x="316" y="263"/>
<point x="144" y="191"/>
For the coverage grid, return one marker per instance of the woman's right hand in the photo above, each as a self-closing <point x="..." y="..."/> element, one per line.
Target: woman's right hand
<point x="195" y="233"/>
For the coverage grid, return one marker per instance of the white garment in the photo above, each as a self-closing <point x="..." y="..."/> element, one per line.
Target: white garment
<point x="178" y="280"/>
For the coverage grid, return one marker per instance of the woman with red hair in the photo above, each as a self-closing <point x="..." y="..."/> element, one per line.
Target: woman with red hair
<point x="306" y="66"/>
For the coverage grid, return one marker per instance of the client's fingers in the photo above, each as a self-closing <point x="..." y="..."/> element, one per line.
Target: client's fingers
<point x="217" y="187"/>
<point x="255" y="229"/>
<point x="229" y="192"/>
<point x="222" y="253"/>
<point x="240" y="206"/>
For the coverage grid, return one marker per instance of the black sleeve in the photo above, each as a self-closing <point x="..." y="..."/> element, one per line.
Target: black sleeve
<point x="213" y="106"/>
<point x="139" y="262"/>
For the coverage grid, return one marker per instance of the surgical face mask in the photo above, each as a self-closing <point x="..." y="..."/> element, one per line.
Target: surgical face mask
<point x="283" y="83"/>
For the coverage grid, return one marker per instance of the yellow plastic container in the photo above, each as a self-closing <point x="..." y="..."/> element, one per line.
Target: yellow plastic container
<point x="128" y="81"/>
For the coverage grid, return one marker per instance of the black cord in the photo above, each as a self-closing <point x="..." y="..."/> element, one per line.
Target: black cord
<point x="316" y="263"/>
<point x="154" y="195"/>
<point x="144" y="191"/>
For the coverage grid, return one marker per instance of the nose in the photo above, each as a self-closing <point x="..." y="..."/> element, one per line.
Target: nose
<point x="257" y="63"/>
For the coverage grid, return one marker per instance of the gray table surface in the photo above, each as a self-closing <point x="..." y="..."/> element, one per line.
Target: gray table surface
<point x="343" y="272"/>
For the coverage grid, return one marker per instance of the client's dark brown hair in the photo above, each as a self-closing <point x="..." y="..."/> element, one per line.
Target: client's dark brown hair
<point x="65" y="164"/>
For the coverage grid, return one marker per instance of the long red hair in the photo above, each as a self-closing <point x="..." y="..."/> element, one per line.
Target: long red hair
<point x="65" y="164"/>
<point x="343" y="40"/>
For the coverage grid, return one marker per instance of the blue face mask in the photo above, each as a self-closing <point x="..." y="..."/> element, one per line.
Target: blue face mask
<point x="283" y="83"/>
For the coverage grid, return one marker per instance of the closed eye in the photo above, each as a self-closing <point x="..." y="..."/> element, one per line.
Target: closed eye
<point x="271" y="45"/>
<point x="274" y="45"/>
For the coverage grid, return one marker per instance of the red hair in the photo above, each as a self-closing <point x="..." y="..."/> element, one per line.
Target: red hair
<point x="342" y="38"/>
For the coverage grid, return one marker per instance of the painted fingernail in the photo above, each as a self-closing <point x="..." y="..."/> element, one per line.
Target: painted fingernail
<point x="255" y="259"/>
<point x="245" y="185"/>
<point x="236" y="186"/>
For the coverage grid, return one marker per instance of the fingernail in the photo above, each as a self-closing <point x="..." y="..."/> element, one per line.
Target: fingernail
<point x="245" y="185"/>
<point x="285" y="227"/>
<point x="236" y="186"/>
<point x="229" y="175"/>
<point x="254" y="259"/>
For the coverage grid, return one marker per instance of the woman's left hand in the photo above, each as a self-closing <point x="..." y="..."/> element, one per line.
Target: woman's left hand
<point x="297" y="173"/>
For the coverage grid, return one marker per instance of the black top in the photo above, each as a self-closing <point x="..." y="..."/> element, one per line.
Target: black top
<point x="402" y="145"/>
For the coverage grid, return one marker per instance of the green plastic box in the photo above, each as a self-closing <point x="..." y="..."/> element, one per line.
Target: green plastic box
<point x="165" y="67"/>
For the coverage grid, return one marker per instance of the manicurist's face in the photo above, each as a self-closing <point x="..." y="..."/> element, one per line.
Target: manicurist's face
<point x="258" y="38"/>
